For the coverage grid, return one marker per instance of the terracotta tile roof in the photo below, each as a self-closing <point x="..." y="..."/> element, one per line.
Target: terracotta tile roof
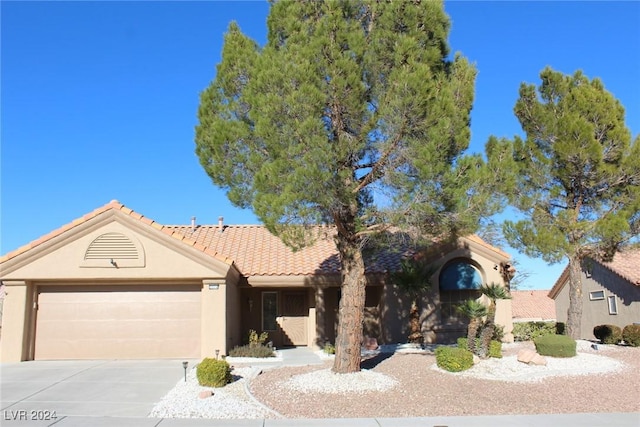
<point x="478" y="239"/>
<point x="257" y="252"/>
<point x="114" y="205"/>
<point x="251" y="248"/>
<point x="625" y="264"/>
<point x="532" y="305"/>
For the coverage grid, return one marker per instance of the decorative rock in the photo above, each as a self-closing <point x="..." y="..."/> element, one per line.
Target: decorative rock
<point x="370" y="343"/>
<point x="476" y="359"/>
<point x="526" y="356"/>
<point x="538" y="360"/>
<point x="205" y="394"/>
<point x="531" y="357"/>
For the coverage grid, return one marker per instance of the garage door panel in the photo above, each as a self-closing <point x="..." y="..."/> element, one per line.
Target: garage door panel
<point x="118" y="322"/>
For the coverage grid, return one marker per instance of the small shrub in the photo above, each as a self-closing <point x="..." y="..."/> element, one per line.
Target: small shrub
<point x="256" y="340"/>
<point x="555" y="345"/>
<point x="561" y="328"/>
<point x="251" y="351"/>
<point x="527" y="331"/>
<point x="463" y="342"/>
<point x="454" y="359"/>
<point x="608" y="334"/>
<point x="329" y="348"/>
<point x="631" y="335"/>
<point x="213" y="373"/>
<point x="495" y="349"/>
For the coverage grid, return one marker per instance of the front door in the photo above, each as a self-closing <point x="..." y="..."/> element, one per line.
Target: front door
<point x="294" y="317"/>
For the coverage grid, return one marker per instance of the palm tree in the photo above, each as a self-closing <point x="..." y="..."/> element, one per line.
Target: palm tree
<point x="414" y="278"/>
<point x="494" y="292"/>
<point x="474" y="310"/>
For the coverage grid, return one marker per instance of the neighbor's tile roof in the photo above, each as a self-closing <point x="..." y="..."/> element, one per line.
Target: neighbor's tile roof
<point x="251" y="248"/>
<point x="533" y="304"/>
<point x="625" y="264"/>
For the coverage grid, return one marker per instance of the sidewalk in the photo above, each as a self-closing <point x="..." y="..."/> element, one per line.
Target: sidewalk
<point x="552" y="420"/>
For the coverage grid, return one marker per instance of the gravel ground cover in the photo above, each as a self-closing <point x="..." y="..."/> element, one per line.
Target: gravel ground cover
<point x="409" y="384"/>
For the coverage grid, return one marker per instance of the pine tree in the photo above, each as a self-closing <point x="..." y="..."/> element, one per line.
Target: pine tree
<point x="575" y="177"/>
<point x="354" y="115"/>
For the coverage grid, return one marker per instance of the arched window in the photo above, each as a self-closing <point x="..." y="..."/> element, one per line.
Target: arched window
<point x="459" y="281"/>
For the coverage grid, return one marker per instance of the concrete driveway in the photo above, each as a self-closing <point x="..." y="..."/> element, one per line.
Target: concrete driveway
<point x="95" y="388"/>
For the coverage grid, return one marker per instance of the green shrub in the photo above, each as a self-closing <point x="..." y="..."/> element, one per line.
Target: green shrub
<point x="329" y="348"/>
<point x="495" y="349"/>
<point x="463" y="343"/>
<point x="608" y="334"/>
<point x="454" y="359"/>
<point x="251" y="350"/>
<point x="555" y="345"/>
<point x="213" y="373"/>
<point x="631" y="335"/>
<point x="561" y="328"/>
<point x="527" y="331"/>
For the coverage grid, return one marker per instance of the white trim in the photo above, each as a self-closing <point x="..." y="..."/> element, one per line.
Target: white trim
<point x="593" y="297"/>
<point x="613" y="304"/>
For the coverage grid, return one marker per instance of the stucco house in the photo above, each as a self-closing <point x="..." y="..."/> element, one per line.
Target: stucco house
<point x="610" y="292"/>
<point x="116" y="284"/>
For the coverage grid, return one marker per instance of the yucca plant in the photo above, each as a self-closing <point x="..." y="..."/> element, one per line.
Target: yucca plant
<point x="494" y="292"/>
<point x="473" y="310"/>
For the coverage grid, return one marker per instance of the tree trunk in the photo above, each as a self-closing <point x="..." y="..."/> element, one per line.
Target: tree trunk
<point x="351" y="311"/>
<point x="574" y="313"/>
<point x="415" y="333"/>
<point x="472" y="332"/>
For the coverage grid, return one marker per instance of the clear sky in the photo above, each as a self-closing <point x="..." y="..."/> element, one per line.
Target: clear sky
<point x="99" y="99"/>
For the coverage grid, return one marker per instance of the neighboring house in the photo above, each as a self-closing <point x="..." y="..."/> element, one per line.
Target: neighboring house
<point x="116" y="284"/>
<point x="610" y="292"/>
<point x="532" y="306"/>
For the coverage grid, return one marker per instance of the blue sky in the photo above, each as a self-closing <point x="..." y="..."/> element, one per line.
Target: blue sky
<point x="99" y="99"/>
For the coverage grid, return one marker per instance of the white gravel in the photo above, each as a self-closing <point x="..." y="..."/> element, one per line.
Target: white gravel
<point x="510" y="370"/>
<point x="229" y="402"/>
<point x="326" y="381"/>
<point x="291" y="389"/>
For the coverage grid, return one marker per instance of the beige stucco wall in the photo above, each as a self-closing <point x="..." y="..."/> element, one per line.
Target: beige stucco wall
<point x="395" y="305"/>
<point x="15" y="319"/>
<point x="65" y="259"/>
<point x="60" y="260"/>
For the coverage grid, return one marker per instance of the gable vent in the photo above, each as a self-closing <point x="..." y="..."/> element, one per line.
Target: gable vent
<point x="112" y="246"/>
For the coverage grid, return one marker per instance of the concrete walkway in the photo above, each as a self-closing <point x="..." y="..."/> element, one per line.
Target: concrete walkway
<point x="552" y="420"/>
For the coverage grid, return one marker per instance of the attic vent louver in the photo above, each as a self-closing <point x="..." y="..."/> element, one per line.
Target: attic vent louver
<point x="112" y="246"/>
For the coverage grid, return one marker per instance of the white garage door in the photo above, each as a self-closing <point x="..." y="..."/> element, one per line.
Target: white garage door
<point x="118" y="322"/>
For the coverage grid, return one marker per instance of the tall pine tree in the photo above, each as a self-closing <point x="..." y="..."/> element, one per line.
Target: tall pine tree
<point x="354" y="115"/>
<point x="575" y="177"/>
